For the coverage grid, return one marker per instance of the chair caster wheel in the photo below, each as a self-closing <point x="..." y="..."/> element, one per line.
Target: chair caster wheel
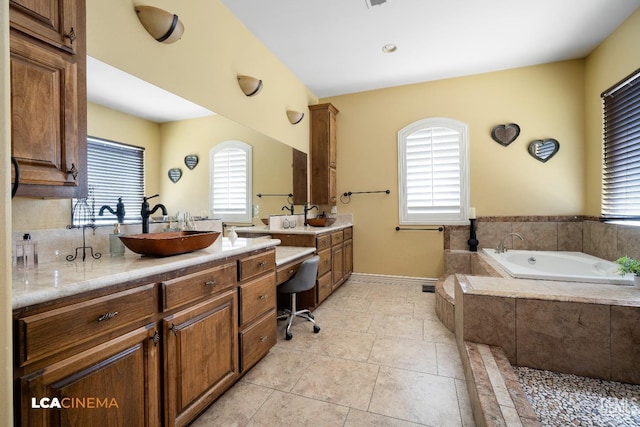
<point x="288" y="336"/>
<point x="316" y="329"/>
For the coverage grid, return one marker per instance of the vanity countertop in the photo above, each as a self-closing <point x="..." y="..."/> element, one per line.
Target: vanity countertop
<point x="54" y="280"/>
<point x="286" y="254"/>
<point x="275" y="227"/>
<point x="297" y="230"/>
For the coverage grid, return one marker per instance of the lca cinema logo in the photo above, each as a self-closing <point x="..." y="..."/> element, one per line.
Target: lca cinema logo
<point x="74" y="403"/>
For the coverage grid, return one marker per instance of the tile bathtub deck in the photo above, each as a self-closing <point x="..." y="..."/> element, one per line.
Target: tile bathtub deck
<point x="382" y="358"/>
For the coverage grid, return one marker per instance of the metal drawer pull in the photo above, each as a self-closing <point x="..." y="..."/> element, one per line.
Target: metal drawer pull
<point x="210" y="283"/>
<point x="262" y="264"/>
<point x="73" y="171"/>
<point x="263" y="297"/>
<point x="107" y="316"/>
<point x="155" y="338"/>
<point x="263" y="339"/>
<point x="72" y="35"/>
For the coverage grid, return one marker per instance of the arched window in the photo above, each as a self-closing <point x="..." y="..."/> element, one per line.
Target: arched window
<point x="230" y="181"/>
<point x="433" y="159"/>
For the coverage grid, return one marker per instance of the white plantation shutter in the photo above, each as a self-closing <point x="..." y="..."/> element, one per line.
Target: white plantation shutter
<point x="621" y="173"/>
<point x="231" y="181"/>
<point x="433" y="172"/>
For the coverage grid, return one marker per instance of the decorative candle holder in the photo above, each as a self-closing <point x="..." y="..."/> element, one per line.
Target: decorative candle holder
<point x="473" y="241"/>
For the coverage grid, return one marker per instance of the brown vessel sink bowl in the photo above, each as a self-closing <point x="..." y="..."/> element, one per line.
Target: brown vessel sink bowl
<point x="170" y="243"/>
<point x="321" y="222"/>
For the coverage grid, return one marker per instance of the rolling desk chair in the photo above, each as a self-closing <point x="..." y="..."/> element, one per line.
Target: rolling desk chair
<point x="304" y="279"/>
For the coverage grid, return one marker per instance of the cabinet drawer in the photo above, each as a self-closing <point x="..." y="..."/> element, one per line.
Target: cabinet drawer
<point x="177" y="292"/>
<point x="256" y="340"/>
<point x="286" y="272"/>
<point x="257" y="297"/>
<point x="337" y="237"/>
<point x="256" y="265"/>
<point x="348" y="233"/>
<point x="55" y="330"/>
<point x="324" y="287"/>
<point x="324" y="265"/>
<point x="323" y="242"/>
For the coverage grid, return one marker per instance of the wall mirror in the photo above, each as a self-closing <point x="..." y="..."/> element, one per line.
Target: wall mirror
<point x="277" y="168"/>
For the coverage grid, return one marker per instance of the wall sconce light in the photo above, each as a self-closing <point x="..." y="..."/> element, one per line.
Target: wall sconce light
<point x="163" y="26"/>
<point x="295" y="117"/>
<point x="249" y="85"/>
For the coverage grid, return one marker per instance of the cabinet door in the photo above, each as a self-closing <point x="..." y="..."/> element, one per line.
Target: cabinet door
<point x="201" y="356"/>
<point x="348" y="258"/>
<point x="44" y="116"/>
<point x="337" y="263"/>
<point x="323" y="154"/>
<point x="112" y="384"/>
<point x="52" y="21"/>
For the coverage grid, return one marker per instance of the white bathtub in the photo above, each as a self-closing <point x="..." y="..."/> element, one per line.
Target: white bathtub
<point x="563" y="266"/>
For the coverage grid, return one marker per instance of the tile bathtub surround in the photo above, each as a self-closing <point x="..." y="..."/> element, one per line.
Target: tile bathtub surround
<point x="583" y="329"/>
<point x="563" y="233"/>
<point x="368" y="366"/>
<point x="554" y="233"/>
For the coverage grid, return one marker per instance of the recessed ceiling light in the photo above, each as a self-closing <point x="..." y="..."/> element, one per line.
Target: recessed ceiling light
<point x="389" y="48"/>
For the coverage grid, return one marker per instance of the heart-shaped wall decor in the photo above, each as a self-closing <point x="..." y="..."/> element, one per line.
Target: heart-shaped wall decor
<point x="191" y="161"/>
<point x="175" y="174"/>
<point x="544" y="150"/>
<point x="505" y="134"/>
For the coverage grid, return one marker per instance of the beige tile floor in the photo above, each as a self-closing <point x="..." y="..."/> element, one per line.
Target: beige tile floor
<point x="382" y="358"/>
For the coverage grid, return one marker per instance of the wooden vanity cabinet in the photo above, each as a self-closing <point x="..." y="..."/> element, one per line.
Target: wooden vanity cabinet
<point x="258" y="300"/>
<point x="114" y="383"/>
<point x="323" y="154"/>
<point x="99" y="357"/>
<point x="162" y="349"/>
<point x="48" y="96"/>
<point x="200" y="356"/>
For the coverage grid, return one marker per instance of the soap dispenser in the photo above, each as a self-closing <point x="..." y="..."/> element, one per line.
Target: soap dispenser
<point x="116" y="247"/>
<point x="233" y="236"/>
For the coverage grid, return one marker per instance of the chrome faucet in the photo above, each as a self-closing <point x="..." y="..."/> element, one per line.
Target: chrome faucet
<point x="502" y="248"/>
<point x="145" y="212"/>
<point x="307" y="208"/>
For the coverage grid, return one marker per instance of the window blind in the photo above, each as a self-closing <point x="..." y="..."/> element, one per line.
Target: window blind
<point x="433" y="177"/>
<point x="621" y="157"/>
<point x="433" y="171"/>
<point x="115" y="170"/>
<point x="230" y="182"/>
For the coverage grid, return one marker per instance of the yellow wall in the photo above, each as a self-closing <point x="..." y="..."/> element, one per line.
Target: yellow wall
<point x="616" y="58"/>
<point x="203" y="65"/>
<point x="272" y="172"/>
<point x="546" y="101"/>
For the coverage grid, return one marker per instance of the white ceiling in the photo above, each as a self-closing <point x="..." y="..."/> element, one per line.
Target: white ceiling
<point x="335" y="46"/>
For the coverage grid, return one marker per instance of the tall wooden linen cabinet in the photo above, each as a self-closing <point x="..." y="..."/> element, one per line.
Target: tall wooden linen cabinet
<point x="48" y="96"/>
<point x="323" y="154"/>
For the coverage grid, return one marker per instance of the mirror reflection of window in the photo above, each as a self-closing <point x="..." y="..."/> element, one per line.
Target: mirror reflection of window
<point x="230" y="181"/>
<point x="114" y="171"/>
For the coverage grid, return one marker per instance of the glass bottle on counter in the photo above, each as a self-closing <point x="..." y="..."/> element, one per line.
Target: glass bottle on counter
<point x="26" y="252"/>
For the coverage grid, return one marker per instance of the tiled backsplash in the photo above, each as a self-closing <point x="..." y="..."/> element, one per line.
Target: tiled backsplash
<point x="568" y="233"/>
<point x="56" y="244"/>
